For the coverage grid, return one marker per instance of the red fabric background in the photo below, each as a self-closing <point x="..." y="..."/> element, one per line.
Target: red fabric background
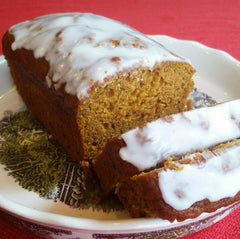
<point x="215" y="23"/>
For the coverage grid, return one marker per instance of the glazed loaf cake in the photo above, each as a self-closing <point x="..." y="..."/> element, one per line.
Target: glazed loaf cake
<point x="149" y="146"/>
<point x="89" y="78"/>
<point x="200" y="182"/>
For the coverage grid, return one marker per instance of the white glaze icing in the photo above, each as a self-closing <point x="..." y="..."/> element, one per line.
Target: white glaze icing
<point x="181" y="133"/>
<point x="84" y="48"/>
<point x="215" y="179"/>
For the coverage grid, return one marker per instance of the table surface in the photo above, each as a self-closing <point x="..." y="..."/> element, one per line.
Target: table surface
<point x="215" y="23"/>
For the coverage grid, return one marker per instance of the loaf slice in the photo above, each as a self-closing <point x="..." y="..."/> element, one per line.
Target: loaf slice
<point x="147" y="147"/>
<point x="200" y="182"/>
<point x="88" y="78"/>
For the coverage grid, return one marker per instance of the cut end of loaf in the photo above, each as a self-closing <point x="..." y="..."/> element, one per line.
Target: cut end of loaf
<point x="133" y="99"/>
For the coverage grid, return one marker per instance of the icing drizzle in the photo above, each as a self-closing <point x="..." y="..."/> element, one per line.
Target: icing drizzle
<point x="181" y="133"/>
<point x="215" y="177"/>
<point x="83" y="49"/>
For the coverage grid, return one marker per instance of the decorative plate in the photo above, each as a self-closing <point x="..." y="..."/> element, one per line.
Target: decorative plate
<point x="64" y="214"/>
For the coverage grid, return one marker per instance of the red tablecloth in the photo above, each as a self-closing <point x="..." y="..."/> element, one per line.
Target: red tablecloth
<point x="215" y="23"/>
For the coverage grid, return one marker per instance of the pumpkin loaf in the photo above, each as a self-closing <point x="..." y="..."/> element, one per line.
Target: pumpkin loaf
<point x="200" y="182"/>
<point x="89" y="78"/>
<point x="149" y="146"/>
